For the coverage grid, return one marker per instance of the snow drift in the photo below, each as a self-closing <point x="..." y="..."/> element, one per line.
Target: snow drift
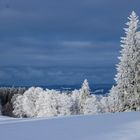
<point x="118" y="126"/>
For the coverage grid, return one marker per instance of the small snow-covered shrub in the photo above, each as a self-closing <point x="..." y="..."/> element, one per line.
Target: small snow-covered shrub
<point x="92" y="106"/>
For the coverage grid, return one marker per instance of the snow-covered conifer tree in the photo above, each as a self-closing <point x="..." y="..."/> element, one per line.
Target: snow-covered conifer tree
<point x="83" y="95"/>
<point x="126" y="83"/>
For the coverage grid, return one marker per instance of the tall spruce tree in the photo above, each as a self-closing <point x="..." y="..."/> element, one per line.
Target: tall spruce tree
<point x="127" y="70"/>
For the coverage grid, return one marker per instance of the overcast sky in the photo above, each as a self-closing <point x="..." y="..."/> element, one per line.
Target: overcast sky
<point x="49" y="42"/>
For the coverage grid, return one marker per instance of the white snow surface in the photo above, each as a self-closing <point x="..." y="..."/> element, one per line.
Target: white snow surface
<point x="118" y="126"/>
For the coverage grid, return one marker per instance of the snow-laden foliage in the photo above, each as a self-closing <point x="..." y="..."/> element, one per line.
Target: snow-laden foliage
<point x="75" y="94"/>
<point x="92" y="105"/>
<point x="53" y="103"/>
<point x="127" y="89"/>
<point x="25" y="105"/>
<point x="6" y="94"/>
<point x="46" y="105"/>
<point x="84" y="94"/>
<point x="36" y="102"/>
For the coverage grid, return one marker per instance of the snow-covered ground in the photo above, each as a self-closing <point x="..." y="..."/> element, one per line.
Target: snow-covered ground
<point x="118" y="126"/>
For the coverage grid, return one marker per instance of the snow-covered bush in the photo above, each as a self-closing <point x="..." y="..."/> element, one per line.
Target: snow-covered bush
<point x="92" y="105"/>
<point x="46" y="104"/>
<point x="18" y="105"/>
<point x="65" y="104"/>
<point x="75" y="95"/>
<point x="53" y="103"/>
<point x="25" y="105"/>
<point x="98" y="104"/>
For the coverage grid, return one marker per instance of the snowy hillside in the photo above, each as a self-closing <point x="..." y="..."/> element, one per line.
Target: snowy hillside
<point x="119" y="126"/>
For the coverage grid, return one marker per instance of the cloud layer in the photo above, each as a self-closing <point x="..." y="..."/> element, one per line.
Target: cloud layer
<point x="50" y="41"/>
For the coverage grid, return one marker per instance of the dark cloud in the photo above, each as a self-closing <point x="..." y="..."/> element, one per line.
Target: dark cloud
<point x="55" y="75"/>
<point x="51" y="41"/>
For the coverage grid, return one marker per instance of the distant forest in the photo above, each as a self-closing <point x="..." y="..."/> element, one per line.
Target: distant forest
<point x="6" y="95"/>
